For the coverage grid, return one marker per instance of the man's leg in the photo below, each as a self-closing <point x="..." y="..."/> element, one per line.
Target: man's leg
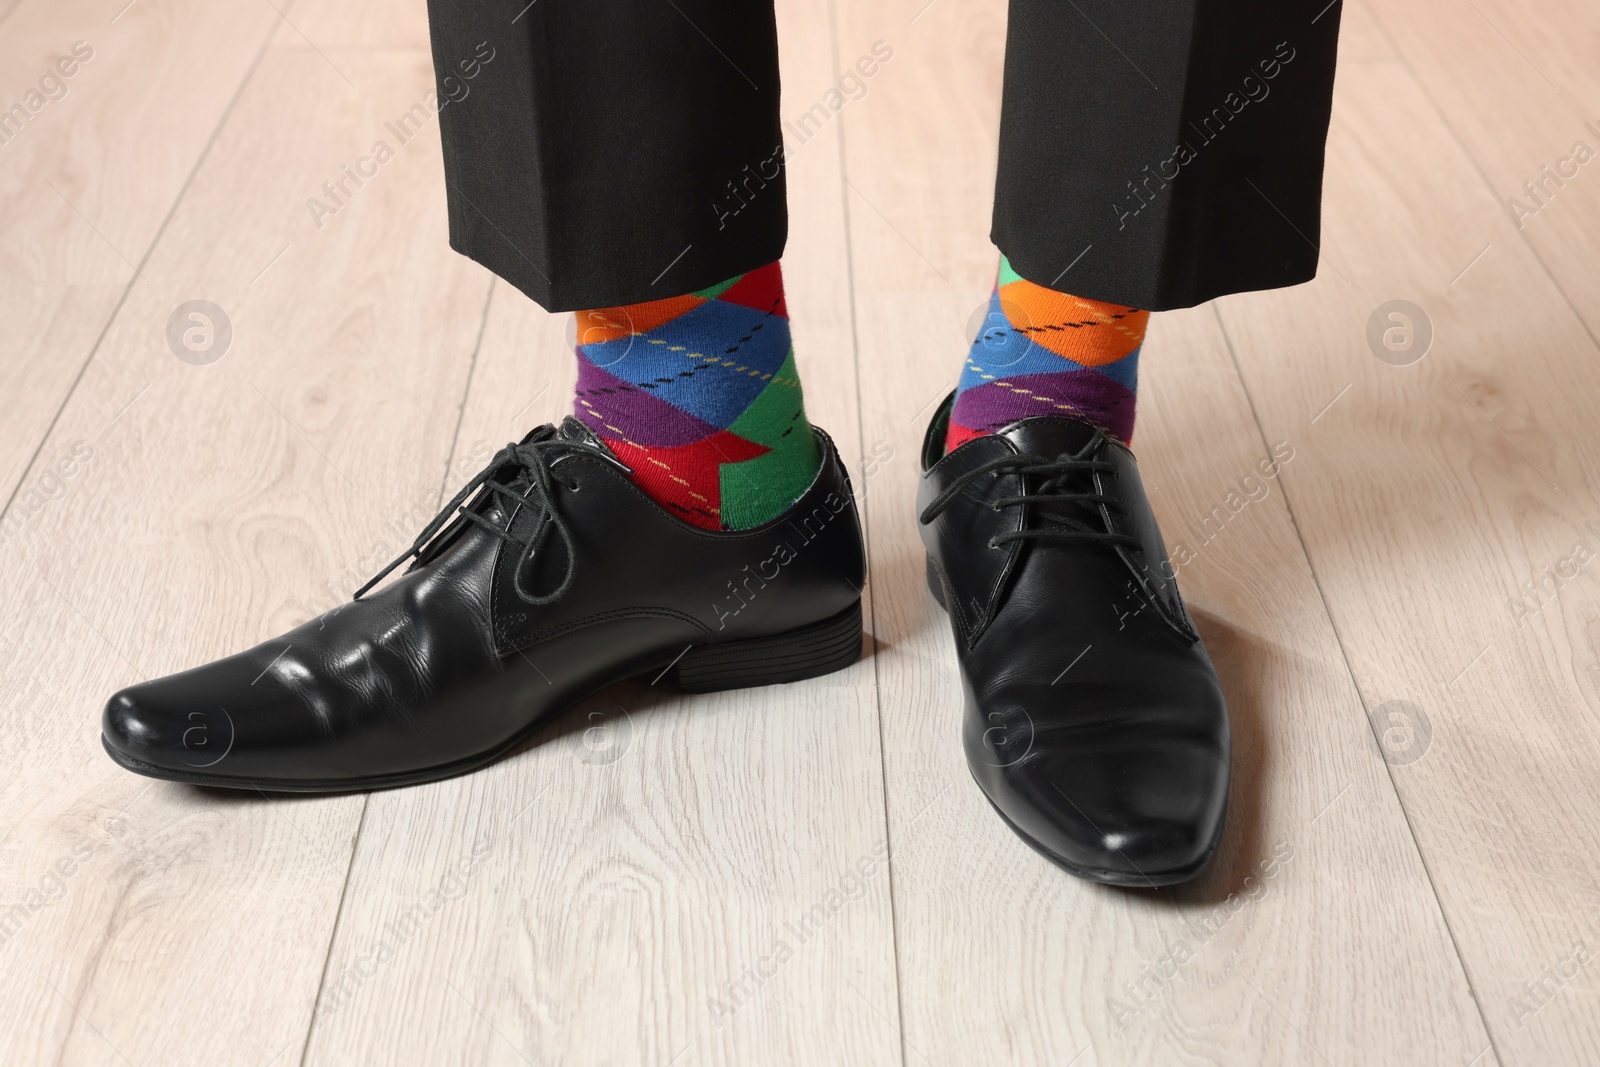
<point x="1152" y="156"/>
<point x="1157" y="155"/>
<point x="624" y="161"/>
<point x="611" y="153"/>
<point x="622" y="158"/>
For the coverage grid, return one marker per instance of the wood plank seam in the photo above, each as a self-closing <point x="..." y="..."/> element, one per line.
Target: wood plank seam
<point x="866" y="519"/>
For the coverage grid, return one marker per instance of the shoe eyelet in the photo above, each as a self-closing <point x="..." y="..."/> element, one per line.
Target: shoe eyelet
<point x="572" y="486"/>
<point x="992" y="544"/>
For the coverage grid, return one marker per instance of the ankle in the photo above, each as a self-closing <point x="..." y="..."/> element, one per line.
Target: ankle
<point x="699" y="395"/>
<point x="1045" y="352"/>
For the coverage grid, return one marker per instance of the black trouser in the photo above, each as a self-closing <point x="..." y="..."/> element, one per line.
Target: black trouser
<point x="1154" y="153"/>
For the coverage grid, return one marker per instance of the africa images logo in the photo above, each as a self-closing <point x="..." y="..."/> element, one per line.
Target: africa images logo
<point x="208" y="736"/>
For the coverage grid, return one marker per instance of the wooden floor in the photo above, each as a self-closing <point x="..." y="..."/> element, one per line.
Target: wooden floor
<point x="1405" y="618"/>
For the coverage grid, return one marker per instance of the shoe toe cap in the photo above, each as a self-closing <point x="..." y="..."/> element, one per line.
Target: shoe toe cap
<point x="1123" y="799"/>
<point x="1136" y="834"/>
<point x="125" y="722"/>
<point x="1154" y="851"/>
<point x="148" y="725"/>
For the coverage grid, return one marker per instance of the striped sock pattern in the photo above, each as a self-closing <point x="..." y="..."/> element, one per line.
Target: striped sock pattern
<point x="699" y="395"/>
<point x="1041" y="352"/>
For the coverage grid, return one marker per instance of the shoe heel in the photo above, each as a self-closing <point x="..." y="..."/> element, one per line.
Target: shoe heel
<point x="821" y="648"/>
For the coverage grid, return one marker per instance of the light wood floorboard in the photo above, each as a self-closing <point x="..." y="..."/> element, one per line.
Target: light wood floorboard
<point x="86" y="185"/>
<point x="1428" y="496"/>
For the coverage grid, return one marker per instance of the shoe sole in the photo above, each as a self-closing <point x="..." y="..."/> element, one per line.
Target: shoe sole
<point x="1104" y="876"/>
<point x="807" y="652"/>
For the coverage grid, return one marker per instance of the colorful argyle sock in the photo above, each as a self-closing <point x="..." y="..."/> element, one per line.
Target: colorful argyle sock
<point x="1041" y="352"/>
<point x="699" y="395"/>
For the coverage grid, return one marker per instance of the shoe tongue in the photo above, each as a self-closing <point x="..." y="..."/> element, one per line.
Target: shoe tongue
<point x="1049" y="435"/>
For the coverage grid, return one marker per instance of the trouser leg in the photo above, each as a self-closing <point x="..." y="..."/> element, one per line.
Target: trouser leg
<point x="1160" y="153"/>
<point x="611" y="151"/>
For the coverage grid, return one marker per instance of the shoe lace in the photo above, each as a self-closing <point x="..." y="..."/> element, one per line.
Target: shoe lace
<point x="1062" y="481"/>
<point x="531" y="457"/>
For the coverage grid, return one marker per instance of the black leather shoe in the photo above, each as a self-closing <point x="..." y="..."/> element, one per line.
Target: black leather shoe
<point x="1094" y="721"/>
<point x="557" y="578"/>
